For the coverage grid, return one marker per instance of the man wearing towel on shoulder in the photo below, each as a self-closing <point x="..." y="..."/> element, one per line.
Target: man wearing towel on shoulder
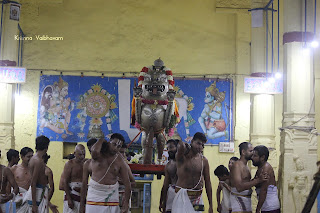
<point x="192" y="171"/>
<point x="241" y="182"/>
<point x="268" y="201"/>
<point x="73" y="170"/>
<point x="37" y="195"/>
<point x="105" y="167"/>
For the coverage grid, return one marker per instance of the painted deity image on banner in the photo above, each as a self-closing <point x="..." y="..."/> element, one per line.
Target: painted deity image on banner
<point x="56" y="107"/>
<point x="70" y="108"/>
<point x="97" y="103"/>
<point x="185" y="105"/>
<point x="211" y="120"/>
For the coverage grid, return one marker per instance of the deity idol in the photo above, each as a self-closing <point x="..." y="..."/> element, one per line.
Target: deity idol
<point x="154" y="109"/>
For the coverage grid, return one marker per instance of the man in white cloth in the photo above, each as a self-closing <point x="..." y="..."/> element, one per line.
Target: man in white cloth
<point x="241" y="182"/>
<point x="86" y="171"/>
<point x="268" y="200"/>
<point x="89" y="145"/>
<point x="6" y="177"/>
<point x="169" y="184"/>
<point x="105" y="168"/>
<point x="73" y="171"/>
<point x="49" y="174"/>
<point x="22" y="176"/>
<point x="192" y="170"/>
<point x="37" y="195"/>
<point x="223" y="175"/>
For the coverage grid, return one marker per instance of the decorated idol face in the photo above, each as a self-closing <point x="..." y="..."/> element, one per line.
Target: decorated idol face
<point x="155" y="85"/>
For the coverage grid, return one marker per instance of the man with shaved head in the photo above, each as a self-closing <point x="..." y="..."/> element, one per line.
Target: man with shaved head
<point x="73" y="180"/>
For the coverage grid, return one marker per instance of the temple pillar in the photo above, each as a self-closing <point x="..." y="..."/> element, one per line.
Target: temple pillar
<point x="8" y="57"/>
<point x="7" y="92"/>
<point x="262" y="105"/>
<point x="298" y="136"/>
<point x="9" y="32"/>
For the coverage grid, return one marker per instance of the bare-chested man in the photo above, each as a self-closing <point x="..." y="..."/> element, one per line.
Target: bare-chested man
<point x="268" y="201"/>
<point x="37" y="195"/>
<point x="90" y="143"/>
<point x="87" y="171"/>
<point x="168" y="189"/>
<point x="50" y="182"/>
<point x="6" y="177"/>
<point x="106" y="166"/>
<point x="241" y="182"/>
<point x="192" y="171"/>
<point x="122" y="152"/>
<point x="73" y="171"/>
<point x="12" y="157"/>
<point x="22" y="176"/>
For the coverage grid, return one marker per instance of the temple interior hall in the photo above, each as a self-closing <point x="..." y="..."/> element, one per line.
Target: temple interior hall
<point x="260" y="56"/>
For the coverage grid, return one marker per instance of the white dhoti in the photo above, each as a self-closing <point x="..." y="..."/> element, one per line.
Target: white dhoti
<point x="187" y="201"/>
<point x="16" y="205"/>
<point x="225" y="203"/>
<point x="75" y="196"/>
<point x="21" y="205"/>
<point x="271" y="202"/>
<point x="41" y="198"/>
<point x="170" y="197"/>
<point x="102" y="198"/>
<point x="241" y="201"/>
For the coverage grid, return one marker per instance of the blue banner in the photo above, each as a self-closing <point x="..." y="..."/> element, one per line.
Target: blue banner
<point x="69" y="106"/>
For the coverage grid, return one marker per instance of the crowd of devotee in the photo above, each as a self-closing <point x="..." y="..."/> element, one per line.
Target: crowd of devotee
<point x="29" y="187"/>
<point x="188" y="171"/>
